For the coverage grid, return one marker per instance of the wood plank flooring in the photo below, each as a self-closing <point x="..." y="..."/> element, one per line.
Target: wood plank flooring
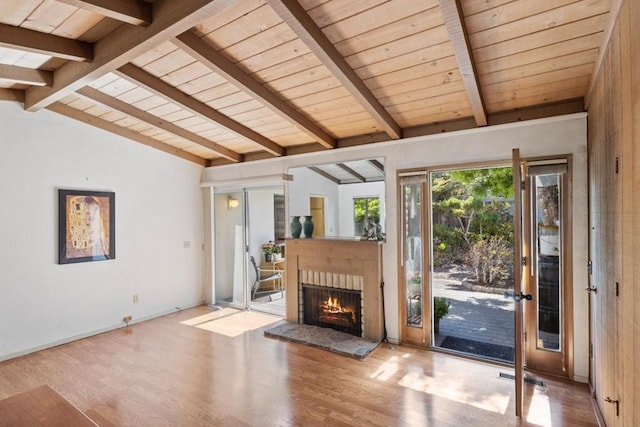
<point x="167" y="373"/>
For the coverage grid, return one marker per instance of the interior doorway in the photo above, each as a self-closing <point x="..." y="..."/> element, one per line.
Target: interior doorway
<point x="316" y="208"/>
<point x="248" y="263"/>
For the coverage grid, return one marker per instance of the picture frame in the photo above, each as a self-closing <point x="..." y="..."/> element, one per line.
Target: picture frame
<point x="86" y="226"/>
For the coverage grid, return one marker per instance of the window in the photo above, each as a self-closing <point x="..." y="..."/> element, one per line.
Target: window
<point x="363" y="209"/>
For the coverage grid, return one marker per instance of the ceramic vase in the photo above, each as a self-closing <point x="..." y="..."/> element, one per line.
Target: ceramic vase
<point x="307" y="226"/>
<point x="295" y="227"/>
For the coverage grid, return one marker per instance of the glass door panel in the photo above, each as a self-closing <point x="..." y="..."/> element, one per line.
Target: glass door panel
<point x="229" y="270"/>
<point x="547" y="229"/>
<point x="413" y="228"/>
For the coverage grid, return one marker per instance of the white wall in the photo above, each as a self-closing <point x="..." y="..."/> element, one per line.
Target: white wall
<point x="307" y="184"/>
<point x="552" y="136"/>
<point x="158" y="208"/>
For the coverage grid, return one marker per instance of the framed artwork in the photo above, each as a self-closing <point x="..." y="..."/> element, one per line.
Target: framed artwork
<point x="86" y="226"/>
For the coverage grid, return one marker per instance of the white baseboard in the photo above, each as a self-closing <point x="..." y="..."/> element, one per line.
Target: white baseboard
<point x="92" y="333"/>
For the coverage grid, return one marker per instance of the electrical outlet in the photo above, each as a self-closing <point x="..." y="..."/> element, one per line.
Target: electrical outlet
<point x="136" y="298"/>
<point x="127" y="319"/>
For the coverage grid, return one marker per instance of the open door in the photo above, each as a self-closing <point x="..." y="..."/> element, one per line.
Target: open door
<point x="517" y="278"/>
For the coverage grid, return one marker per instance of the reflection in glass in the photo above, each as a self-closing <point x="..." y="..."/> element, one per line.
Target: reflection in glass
<point x="412" y="224"/>
<point x="549" y="253"/>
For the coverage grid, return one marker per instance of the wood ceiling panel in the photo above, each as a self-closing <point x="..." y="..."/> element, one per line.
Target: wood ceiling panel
<point x="229" y="14"/>
<point x="397" y="20"/>
<point x="282" y="69"/>
<point x="77" y="24"/>
<point x="15" y="12"/>
<point x="150" y="103"/>
<point x="337" y="10"/>
<point x="556" y="50"/>
<point x="255" y="22"/>
<point x="154" y="54"/>
<point x="450" y="81"/>
<point x="293" y="55"/>
<point x="574" y="12"/>
<point x="169" y="63"/>
<point x="118" y="87"/>
<point x="48" y="16"/>
<point x="451" y="100"/>
<point x="432" y="55"/>
<point x="248" y="107"/>
<point x="417" y="118"/>
<point x="216" y="92"/>
<point x="588" y="57"/>
<point x="471" y="7"/>
<point x="433" y="38"/>
<point x="510" y="12"/>
<point x="186" y="74"/>
<point x="310" y="88"/>
<point x="202" y="83"/>
<point x="540" y="79"/>
<point x="137" y="94"/>
<point x="259" y="43"/>
<point x="540" y="97"/>
<point x="304" y="77"/>
<point x="318" y="97"/>
<point x="573" y="30"/>
<point x="516" y="92"/>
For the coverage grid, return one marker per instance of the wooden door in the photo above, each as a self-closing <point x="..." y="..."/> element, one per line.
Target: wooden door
<point x="316" y="207"/>
<point x="517" y="278"/>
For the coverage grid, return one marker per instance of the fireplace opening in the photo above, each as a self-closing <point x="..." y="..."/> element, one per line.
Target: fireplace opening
<point x="339" y="309"/>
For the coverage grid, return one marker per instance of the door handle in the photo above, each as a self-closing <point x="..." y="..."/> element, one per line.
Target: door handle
<point x="518" y="297"/>
<point x="592" y="289"/>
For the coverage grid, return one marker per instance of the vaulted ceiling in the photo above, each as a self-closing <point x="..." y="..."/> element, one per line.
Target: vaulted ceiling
<point x="223" y="81"/>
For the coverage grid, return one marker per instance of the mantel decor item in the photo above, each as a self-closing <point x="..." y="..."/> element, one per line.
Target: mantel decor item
<point x="307" y="226"/>
<point x="295" y="227"/>
<point x="86" y="226"/>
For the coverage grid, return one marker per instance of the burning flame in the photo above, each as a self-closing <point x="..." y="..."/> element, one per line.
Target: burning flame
<point x="332" y="306"/>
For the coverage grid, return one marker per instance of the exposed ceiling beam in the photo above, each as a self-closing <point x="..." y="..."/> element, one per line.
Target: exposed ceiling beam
<point x="176" y="96"/>
<point x="376" y="164"/>
<point x="87" y="118"/>
<point x="11" y="95"/>
<point x="46" y="44"/>
<point x="27" y="76"/>
<point x="454" y="21"/>
<point x="170" y="18"/>
<point x="156" y="121"/>
<point x="324" y="174"/>
<point x="207" y="55"/>
<point x="135" y="12"/>
<point x="616" y="6"/>
<point x="304" y="26"/>
<point x="355" y="174"/>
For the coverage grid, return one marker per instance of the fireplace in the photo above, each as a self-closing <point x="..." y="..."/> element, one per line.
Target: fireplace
<point x="339" y="309"/>
<point x="349" y="270"/>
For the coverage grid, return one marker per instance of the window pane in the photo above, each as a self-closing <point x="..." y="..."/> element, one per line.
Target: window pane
<point x="412" y="199"/>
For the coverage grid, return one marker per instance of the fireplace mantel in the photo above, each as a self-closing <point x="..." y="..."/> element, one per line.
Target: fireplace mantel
<point x="334" y="257"/>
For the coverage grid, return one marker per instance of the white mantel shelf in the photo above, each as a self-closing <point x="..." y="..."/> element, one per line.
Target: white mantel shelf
<point x="347" y="256"/>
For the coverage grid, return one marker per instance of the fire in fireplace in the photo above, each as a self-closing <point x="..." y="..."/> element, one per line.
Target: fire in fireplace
<point x="335" y="308"/>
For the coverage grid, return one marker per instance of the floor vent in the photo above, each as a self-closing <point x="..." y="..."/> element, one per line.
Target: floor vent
<point x="526" y="379"/>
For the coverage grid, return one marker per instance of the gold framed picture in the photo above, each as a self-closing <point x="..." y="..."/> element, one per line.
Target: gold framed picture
<point x="86" y="226"/>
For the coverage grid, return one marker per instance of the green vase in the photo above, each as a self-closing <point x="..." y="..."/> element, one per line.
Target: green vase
<point x="307" y="226"/>
<point x="295" y="227"/>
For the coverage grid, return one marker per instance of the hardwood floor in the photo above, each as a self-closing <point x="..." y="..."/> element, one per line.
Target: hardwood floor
<point x="166" y="373"/>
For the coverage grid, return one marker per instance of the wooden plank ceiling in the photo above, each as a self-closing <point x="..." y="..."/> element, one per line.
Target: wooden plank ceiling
<point x="224" y="81"/>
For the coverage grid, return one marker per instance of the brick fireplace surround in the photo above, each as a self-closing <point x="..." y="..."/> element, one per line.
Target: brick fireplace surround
<point x="341" y="263"/>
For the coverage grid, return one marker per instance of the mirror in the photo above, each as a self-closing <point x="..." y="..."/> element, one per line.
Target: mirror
<point x="345" y="199"/>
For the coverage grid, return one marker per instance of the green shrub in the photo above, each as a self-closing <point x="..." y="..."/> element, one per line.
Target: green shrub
<point x="441" y="307"/>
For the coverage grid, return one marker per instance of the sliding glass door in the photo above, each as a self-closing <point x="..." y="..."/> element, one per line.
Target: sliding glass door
<point x="248" y="266"/>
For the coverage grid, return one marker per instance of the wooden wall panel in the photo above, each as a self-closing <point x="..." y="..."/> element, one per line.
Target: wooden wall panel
<point x="614" y="166"/>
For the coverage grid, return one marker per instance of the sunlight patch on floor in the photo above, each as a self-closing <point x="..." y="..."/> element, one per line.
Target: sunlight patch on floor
<point x="386" y="370"/>
<point x="210" y="316"/>
<point x="539" y="412"/>
<point x="238" y="324"/>
<point x="454" y="390"/>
